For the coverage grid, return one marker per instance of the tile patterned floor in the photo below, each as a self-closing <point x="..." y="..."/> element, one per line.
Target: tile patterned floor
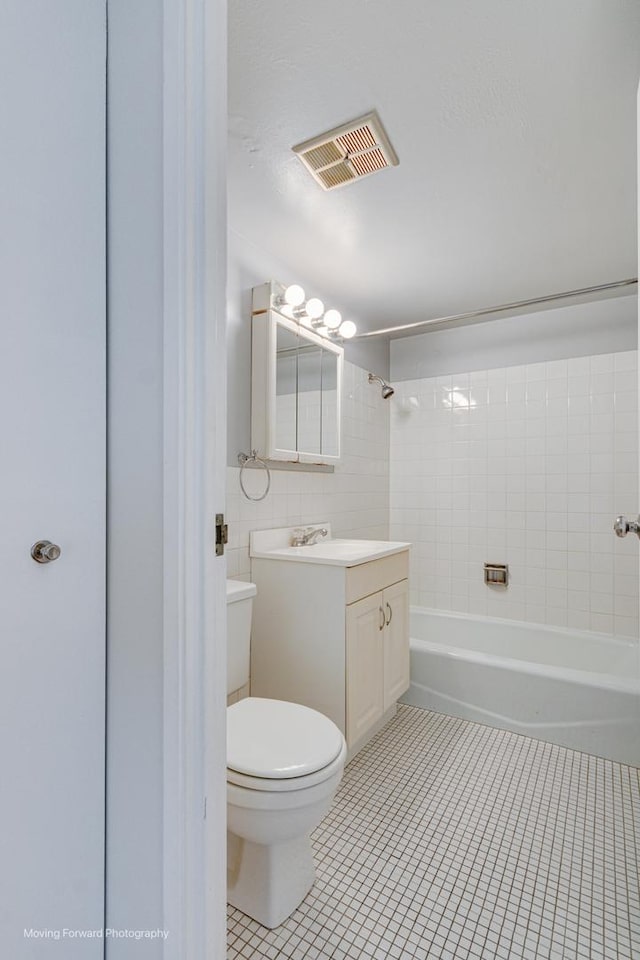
<point x="453" y="840"/>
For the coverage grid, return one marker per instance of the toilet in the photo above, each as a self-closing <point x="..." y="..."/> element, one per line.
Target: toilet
<point x="284" y="764"/>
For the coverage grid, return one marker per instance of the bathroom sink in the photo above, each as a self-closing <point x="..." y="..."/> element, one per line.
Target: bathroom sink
<point x="345" y="553"/>
<point x="343" y="548"/>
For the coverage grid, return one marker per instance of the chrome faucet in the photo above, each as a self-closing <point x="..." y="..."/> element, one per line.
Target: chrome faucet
<point x="308" y="536"/>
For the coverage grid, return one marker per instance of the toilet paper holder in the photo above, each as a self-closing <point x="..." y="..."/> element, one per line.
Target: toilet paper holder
<point x="496" y="574"/>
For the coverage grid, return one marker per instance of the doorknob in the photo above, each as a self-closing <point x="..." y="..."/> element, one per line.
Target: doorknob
<point x="45" y="552"/>
<point x="622" y="526"/>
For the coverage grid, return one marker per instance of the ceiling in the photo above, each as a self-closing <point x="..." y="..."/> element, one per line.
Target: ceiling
<point x="514" y="122"/>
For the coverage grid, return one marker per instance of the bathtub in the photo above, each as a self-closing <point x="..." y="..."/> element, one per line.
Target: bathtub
<point x="577" y="689"/>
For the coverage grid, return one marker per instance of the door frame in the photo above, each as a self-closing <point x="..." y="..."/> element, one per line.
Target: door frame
<point x="194" y="416"/>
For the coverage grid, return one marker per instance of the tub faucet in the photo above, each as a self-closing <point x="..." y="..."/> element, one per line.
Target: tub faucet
<point x="308" y="536"/>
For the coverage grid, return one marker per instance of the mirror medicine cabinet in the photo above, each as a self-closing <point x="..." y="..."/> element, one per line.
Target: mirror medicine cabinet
<point x="296" y="386"/>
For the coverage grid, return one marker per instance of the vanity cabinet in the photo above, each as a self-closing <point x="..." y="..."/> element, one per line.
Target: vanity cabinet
<point x="377" y="641"/>
<point x="365" y="666"/>
<point x="335" y="638"/>
<point x="396" y="643"/>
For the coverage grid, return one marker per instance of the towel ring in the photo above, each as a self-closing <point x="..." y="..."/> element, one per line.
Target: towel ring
<point x="243" y="460"/>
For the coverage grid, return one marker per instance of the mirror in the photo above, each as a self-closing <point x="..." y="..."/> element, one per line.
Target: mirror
<point x="330" y="438"/>
<point x="286" y="426"/>
<point x="309" y="397"/>
<point x="295" y="394"/>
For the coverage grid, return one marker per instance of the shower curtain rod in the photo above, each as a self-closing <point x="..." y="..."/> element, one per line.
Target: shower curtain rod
<point x="517" y="304"/>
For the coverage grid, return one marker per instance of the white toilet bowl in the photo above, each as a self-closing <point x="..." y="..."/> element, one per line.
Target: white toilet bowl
<point x="284" y="764"/>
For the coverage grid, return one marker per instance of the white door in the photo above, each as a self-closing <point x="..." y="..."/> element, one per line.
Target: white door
<point x="52" y="477"/>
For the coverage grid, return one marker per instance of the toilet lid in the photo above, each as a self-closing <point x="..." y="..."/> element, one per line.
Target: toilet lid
<point x="274" y="739"/>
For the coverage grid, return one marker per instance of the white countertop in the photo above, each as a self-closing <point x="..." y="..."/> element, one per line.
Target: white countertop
<point x="338" y="553"/>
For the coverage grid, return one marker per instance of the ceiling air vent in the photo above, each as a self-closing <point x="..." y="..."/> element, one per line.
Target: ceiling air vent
<point x="348" y="153"/>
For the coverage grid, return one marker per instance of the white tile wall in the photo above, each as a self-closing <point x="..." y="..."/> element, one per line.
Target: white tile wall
<point x="527" y="466"/>
<point x="355" y="499"/>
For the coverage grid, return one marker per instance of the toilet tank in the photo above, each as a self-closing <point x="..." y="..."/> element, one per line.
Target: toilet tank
<point x="239" y="605"/>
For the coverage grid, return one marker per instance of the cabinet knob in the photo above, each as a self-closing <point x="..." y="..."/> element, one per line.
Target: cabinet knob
<point x="382" y="619"/>
<point x="388" y="620"/>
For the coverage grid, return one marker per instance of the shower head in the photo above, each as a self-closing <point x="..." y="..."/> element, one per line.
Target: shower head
<point x="387" y="390"/>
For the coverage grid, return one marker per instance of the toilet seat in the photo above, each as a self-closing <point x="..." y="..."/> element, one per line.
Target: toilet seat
<point x="266" y="785"/>
<point x="274" y="745"/>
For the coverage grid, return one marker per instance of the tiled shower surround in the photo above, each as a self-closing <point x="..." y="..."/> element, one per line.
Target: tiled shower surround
<point x="528" y="466"/>
<point x="354" y="499"/>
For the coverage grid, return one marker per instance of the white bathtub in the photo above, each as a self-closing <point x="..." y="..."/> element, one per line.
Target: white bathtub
<point x="581" y="690"/>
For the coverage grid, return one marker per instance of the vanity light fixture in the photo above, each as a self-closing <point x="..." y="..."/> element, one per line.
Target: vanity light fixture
<point x="292" y="296"/>
<point x="310" y="313"/>
<point x="332" y="319"/>
<point x="329" y="324"/>
<point x="347" y="329"/>
<point x="314" y="308"/>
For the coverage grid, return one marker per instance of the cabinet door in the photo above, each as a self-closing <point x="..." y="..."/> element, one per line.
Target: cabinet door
<point x="365" y="660"/>
<point x="395" y="601"/>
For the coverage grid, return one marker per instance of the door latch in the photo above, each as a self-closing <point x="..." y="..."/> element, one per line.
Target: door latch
<point x="222" y="534"/>
<point x="45" y="552"/>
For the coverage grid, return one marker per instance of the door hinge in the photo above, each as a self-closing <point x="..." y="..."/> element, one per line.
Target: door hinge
<point x="222" y="534"/>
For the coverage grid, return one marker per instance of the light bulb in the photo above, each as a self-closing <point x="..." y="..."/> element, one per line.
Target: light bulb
<point x="314" y="308"/>
<point x="333" y="319"/>
<point x="293" y="296"/>
<point x="348" y="329"/>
